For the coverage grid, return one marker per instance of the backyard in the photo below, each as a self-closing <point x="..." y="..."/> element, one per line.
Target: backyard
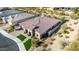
<point x="63" y="37"/>
<point x="74" y="46"/>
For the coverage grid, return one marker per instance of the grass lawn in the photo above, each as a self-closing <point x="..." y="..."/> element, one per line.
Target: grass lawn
<point x="21" y="37"/>
<point x="28" y="44"/>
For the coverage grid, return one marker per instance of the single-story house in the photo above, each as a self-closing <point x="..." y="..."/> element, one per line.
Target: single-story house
<point x="64" y="8"/>
<point x="4" y="8"/>
<point x="22" y="17"/>
<point x="40" y="27"/>
<point x="8" y="15"/>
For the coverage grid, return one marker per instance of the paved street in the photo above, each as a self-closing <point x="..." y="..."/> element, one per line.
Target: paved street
<point x="15" y="44"/>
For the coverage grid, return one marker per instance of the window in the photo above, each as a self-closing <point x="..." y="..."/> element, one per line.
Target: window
<point x="17" y="24"/>
<point x="44" y="35"/>
<point x="52" y="27"/>
<point x="29" y="34"/>
<point x="37" y="35"/>
<point x="26" y="31"/>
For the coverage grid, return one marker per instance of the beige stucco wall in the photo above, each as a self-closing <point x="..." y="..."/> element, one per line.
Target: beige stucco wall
<point x="27" y="30"/>
<point x="3" y="18"/>
<point x="9" y="20"/>
<point x="37" y="33"/>
<point x="30" y="31"/>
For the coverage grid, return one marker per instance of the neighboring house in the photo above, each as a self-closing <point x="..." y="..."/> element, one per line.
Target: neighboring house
<point x="64" y="8"/>
<point x="69" y="12"/>
<point x="22" y="17"/>
<point x="40" y="27"/>
<point x="8" y="15"/>
<point x="4" y="8"/>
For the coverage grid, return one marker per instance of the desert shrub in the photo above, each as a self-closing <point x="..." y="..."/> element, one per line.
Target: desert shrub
<point x="60" y="35"/>
<point x="66" y="36"/>
<point x="71" y="29"/>
<point x="74" y="46"/>
<point x="65" y="29"/>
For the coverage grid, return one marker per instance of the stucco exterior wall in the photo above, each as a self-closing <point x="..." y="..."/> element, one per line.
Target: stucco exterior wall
<point x="37" y="35"/>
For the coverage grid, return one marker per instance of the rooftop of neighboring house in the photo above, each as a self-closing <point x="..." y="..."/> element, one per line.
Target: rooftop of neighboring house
<point x="9" y="12"/>
<point x="22" y="17"/>
<point x="4" y="8"/>
<point x="64" y="8"/>
<point x="43" y="24"/>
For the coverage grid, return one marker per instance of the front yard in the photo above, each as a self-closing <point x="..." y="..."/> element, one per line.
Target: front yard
<point x="21" y="37"/>
<point x="28" y="44"/>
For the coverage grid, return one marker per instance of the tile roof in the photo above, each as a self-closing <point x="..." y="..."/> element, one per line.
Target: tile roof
<point x="4" y="8"/>
<point x="44" y="23"/>
<point x="20" y="17"/>
<point x="9" y="12"/>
